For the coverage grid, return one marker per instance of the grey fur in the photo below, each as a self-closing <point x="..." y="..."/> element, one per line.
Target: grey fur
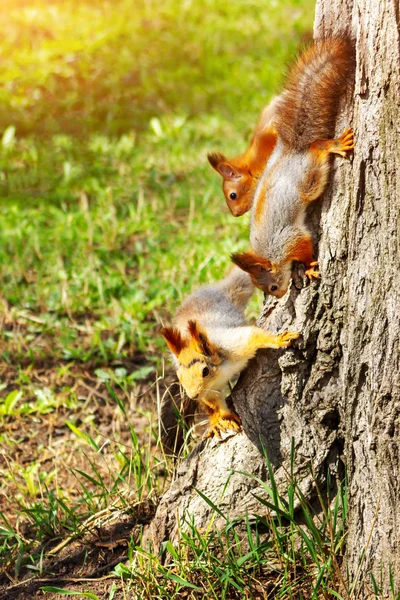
<point x="219" y="305"/>
<point x="282" y="218"/>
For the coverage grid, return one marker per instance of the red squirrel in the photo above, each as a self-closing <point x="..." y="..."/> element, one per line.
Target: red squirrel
<point x="242" y="173"/>
<point x="211" y="343"/>
<point x="297" y="171"/>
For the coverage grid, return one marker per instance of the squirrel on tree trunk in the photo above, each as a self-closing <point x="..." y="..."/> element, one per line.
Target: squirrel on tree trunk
<point x="211" y="343"/>
<point x="297" y="171"/>
<point x="242" y="173"/>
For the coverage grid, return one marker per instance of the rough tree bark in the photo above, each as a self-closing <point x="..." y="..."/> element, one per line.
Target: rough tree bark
<point x="370" y="368"/>
<point x="338" y="393"/>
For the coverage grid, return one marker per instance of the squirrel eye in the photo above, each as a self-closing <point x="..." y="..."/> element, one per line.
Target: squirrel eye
<point x="274" y="288"/>
<point x="233" y="196"/>
<point x="206" y="371"/>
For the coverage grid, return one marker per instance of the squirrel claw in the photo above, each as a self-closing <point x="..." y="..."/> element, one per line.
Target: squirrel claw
<point x="345" y="143"/>
<point x="223" y="424"/>
<point x="287" y="337"/>
<point x="311" y="272"/>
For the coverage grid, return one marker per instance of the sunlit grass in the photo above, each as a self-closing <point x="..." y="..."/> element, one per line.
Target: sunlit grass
<point x="113" y="65"/>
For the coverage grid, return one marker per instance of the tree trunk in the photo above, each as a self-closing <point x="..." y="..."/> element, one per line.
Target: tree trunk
<point x="338" y="393"/>
<point x="369" y="397"/>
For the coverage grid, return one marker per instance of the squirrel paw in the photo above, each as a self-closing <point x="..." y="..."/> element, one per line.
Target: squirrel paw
<point x="287" y="337"/>
<point x="311" y="272"/>
<point x="222" y="423"/>
<point x="345" y="143"/>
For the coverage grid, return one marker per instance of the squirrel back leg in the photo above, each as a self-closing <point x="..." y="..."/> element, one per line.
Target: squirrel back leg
<point x="317" y="175"/>
<point x="342" y="145"/>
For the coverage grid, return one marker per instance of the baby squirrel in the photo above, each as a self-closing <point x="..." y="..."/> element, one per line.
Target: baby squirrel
<point x="211" y="343"/>
<point x="298" y="169"/>
<point x="242" y="173"/>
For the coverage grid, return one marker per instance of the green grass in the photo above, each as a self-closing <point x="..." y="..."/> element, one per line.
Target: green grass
<point x="252" y="556"/>
<point x="109" y="216"/>
<point x="100" y="225"/>
<point x="111" y="66"/>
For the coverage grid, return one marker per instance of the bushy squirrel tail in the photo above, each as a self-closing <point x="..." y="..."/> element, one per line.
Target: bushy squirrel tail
<point x="238" y="287"/>
<point x="309" y="104"/>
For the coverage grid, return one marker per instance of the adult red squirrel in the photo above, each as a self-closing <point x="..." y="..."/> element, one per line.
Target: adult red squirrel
<point x="298" y="169"/>
<point x="241" y="174"/>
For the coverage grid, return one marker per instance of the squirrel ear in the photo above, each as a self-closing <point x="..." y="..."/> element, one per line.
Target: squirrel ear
<point x="174" y="339"/>
<point x="222" y="166"/>
<point x="215" y="159"/>
<point x="200" y="337"/>
<point x="250" y="262"/>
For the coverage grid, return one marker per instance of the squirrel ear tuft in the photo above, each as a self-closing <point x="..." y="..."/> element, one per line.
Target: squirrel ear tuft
<point x="222" y="166"/>
<point x="250" y="262"/>
<point x="200" y="337"/>
<point x="174" y="339"/>
<point x="215" y="159"/>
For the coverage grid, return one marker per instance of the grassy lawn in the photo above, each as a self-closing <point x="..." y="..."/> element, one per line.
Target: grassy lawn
<point x="109" y="215"/>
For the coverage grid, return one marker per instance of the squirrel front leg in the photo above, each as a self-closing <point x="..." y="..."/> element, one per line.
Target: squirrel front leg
<point x="302" y="251"/>
<point x="221" y="418"/>
<point x="245" y="341"/>
<point x="265" y="339"/>
<point x="241" y="345"/>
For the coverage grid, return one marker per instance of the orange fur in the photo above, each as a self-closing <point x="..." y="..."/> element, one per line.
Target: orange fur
<point x="316" y="178"/>
<point x="262" y="202"/>
<point x="250" y="262"/>
<point x="302" y="251"/>
<point x="212" y="344"/>
<point x="341" y="145"/>
<point x="261" y="271"/>
<point x="266" y="339"/>
<point x="304" y="119"/>
<point x="311" y="272"/>
<point x="313" y="88"/>
<point x="259" y="151"/>
<point x="261" y="205"/>
<point x="241" y="173"/>
<point x="221" y="422"/>
<point x="174" y="339"/>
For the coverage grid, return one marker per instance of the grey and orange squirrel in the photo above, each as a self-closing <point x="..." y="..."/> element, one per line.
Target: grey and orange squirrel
<point x="241" y="174"/>
<point x="296" y="173"/>
<point x="211" y="343"/>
